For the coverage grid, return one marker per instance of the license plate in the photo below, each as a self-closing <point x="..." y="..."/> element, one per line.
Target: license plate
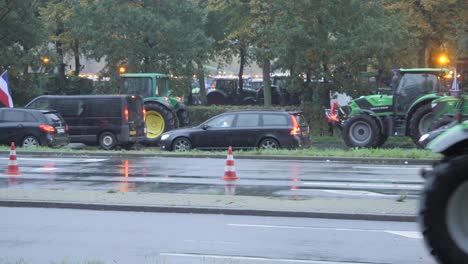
<point x="133" y="132"/>
<point x="60" y="130"/>
<point x="304" y="133"/>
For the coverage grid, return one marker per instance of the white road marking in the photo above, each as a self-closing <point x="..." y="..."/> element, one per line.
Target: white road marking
<point x="407" y="234"/>
<point x="351" y="192"/>
<point x="253" y="259"/>
<point x="397" y="167"/>
<point x="44" y="169"/>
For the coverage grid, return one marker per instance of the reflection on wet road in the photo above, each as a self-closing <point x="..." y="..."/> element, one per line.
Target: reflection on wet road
<point x="204" y="176"/>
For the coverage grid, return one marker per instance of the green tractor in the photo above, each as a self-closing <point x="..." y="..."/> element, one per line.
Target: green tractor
<point x="369" y="120"/>
<point x="163" y="112"/>
<point x="443" y="109"/>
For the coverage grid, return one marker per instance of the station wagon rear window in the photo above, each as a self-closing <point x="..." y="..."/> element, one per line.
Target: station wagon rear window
<point x="275" y="120"/>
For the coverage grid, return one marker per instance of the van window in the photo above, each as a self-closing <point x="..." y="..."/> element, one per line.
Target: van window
<point x="70" y="107"/>
<point x="104" y="107"/>
<point x="135" y="107"/>
<point x="41" y="103"/>
<point x="247" y="120"/>
<point x="275" y="120"/>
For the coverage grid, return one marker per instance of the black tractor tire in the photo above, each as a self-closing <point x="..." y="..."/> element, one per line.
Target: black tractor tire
<point x="183" y="117"/>
<point x="416" y="128"/>
<point x="362" y="131"/>
<point x="167" y="116"/>
<point x="382" y="140"/>
<point x="215" y="98"/>
<point x="443" y="215"/>
<point x="107" y="140"/>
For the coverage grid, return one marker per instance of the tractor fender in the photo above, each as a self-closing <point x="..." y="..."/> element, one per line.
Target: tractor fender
<point x="217" y="92"/>
<point x="374" y="115"/>
<point x="450" y="139"/>
<point x="161" y="102"/>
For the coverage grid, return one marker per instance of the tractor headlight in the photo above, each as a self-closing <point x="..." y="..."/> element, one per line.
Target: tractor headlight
<point x="165" y="136"/>
<point x="423" y="137"/>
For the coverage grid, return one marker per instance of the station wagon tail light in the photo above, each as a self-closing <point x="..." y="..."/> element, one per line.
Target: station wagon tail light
<point x="126" y="114"/>
<point x="47" y="128"/>
<point x="143" y="110"/>
<point x="296" y="129"/>
<point x="66" y="128"/>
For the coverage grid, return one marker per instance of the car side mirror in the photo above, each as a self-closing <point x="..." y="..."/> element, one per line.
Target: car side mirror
<point x="205" y="126"/>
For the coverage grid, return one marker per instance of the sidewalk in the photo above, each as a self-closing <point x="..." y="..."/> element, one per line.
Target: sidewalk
<point x="337" y="208"/>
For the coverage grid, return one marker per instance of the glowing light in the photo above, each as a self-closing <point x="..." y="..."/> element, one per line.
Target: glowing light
<point x="122" y="69"/>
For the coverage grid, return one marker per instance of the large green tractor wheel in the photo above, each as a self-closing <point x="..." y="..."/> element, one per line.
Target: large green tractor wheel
<point x="362" y="131"/>
<point x="443" y="214"/>
<point x="420" y="123"/>
<point x="183" y="117"/>
<point x="158" y="120"/>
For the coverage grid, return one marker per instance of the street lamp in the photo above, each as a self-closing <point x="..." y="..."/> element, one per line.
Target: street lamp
<point x="45" y="60"/>
<point x="122" y="69"/>
<point x="443" y="59"/>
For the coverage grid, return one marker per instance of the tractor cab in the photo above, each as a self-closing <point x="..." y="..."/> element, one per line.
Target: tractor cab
<point x="415" y="84"/>
<point x="146" y="84"/>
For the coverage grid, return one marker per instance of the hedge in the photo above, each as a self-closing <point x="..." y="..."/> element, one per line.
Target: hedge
<point x="313" y="114"/>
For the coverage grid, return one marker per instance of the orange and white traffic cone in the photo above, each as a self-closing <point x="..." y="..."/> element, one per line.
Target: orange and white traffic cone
<point x="13" y="168"/>
<point x="230" y="171"/>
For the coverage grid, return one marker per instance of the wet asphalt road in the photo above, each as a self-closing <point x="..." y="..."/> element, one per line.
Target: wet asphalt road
<point x="203" y="176"/>
<point x="76" y="236"/>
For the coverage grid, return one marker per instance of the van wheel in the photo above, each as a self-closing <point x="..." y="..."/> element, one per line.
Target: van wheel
<point x="30" y="142"/>
<point x="107" y="140"/>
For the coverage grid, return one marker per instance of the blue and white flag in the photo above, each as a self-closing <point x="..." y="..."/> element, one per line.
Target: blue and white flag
<point x="455" y="84"/>
<point x="5" y="97"/>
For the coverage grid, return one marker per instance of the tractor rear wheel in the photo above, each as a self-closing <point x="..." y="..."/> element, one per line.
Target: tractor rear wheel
<point x="420" y="123"/>
<point x="159" y="119"/>
<point x="443" y="215"/>
<point x="362" y="131"/>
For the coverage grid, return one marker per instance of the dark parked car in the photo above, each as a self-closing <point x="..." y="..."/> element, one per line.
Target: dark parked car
<point x="107" y="120"/>
<point x="242" y="130"/>
<point x="32" y="128"/>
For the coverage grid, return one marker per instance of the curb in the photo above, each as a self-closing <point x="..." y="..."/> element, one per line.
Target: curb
<point x="366" y="160"/>
<point x="204" y="210"/>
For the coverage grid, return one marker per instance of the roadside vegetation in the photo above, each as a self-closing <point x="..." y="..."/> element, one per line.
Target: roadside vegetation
<point x="391" y="152"/>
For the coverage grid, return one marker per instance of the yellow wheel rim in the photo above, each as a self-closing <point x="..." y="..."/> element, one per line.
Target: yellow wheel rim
<point x="154" y="124"/>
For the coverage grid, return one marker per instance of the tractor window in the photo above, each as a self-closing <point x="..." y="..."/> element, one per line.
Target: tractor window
<point x="138" y="86"/>
<point x="161" y="87"/>
<point x="420" y="83"/>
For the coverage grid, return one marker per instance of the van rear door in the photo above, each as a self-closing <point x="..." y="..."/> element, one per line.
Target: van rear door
<point x="135" y="116"/>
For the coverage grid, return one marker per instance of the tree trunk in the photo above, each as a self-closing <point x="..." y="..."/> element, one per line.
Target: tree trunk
<point x="76" y="53"/>
<point x="422" y="62"/>
<point x="201" y="82"/>
<point x="266" y="82"/>
<point x="242" y="55"/>
<point x="61" y="80"/>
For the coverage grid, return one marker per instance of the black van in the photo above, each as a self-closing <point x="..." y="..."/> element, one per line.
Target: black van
<point x="108" y="120"/>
